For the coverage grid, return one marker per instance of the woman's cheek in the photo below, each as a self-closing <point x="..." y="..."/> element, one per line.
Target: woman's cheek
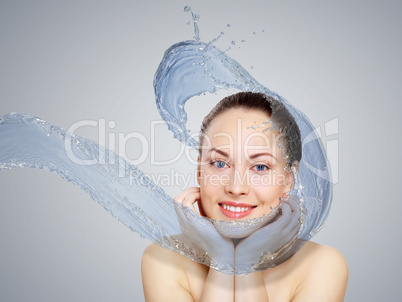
<point x="205" y="201"/>
<point x="264" y="180"/>
<point x="268" y="194"/>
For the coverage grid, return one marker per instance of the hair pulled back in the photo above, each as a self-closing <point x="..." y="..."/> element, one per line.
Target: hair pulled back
<point x="279" y="115"/>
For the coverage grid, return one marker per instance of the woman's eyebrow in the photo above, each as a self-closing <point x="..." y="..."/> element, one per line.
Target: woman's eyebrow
<point x="261" y="154"/>
<point x="219" y="151"/>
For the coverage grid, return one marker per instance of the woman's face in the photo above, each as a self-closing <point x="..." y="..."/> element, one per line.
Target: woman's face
<point x="241" y="170"/>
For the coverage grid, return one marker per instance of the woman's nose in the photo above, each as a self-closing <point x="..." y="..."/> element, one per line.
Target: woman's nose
<point x="238" y="183"/>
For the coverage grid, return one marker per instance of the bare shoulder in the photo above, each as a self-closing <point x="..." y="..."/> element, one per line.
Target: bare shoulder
<point x="323" y="273"/>
<point x="154" y="254"/>
<point x="318" y="255"/>
<point x="162" y="272"/>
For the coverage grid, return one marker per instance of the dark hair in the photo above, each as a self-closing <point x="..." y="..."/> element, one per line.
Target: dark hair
<point x="275" y="109"/>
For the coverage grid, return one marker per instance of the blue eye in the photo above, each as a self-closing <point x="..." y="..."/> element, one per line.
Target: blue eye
<point x="261" y="168"/>
<point x="219" y="164"/>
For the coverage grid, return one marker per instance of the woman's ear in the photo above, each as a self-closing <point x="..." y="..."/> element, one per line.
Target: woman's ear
<point x="289" y="182"/>
<point x="290" y="179"/>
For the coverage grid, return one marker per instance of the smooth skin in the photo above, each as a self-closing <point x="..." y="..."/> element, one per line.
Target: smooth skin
<point x="315" y="273"/>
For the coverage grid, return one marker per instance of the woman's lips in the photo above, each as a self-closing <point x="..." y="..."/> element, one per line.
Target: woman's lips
<point x="235" y="210"/>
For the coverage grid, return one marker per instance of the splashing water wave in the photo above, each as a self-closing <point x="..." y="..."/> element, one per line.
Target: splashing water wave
<point x="187" y="69"/>
<point x="191" y="68"/>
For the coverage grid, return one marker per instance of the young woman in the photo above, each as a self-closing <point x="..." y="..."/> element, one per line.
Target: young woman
<point x="243" y="172"/>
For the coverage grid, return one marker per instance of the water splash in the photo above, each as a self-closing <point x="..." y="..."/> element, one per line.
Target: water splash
<point x="190" y="68"/>
<point x="195" y="18"/>
<point x="187" y="69"/>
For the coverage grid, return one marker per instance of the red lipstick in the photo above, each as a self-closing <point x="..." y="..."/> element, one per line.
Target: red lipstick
<point x="231" y="214"/>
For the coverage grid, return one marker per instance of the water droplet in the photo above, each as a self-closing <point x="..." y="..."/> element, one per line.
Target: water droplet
<point x="222" y="33"/>
<point x="263" y="30"/>
<point x="254" y="32"/>
<point x="243" y="41"/>
<point x="251" y="67"/>
<point x="228" y="25"/>
<point x="187" y="8"/>
<point x="233" y="42"/>
<point x="188" y="22"/>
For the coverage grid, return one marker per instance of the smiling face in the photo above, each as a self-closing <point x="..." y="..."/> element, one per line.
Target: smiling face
<point x="241" y="171"/>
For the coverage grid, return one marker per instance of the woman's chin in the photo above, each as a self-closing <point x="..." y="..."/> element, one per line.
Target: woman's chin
<point x="237" y="228"/>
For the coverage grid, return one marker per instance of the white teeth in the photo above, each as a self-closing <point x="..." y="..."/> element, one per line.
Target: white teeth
<point x="235" y="209"/>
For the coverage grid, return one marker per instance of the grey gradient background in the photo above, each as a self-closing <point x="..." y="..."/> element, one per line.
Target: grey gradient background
<point x="66" y="61"/>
